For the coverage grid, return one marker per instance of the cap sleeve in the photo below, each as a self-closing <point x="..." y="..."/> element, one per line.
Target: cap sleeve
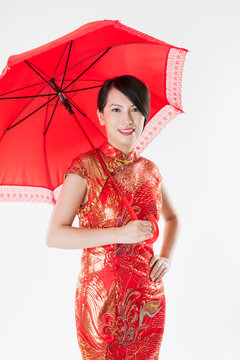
<point x="86" y="166"/>
<point x="76" y="167"/>
<point x="156" y="173"/>
<point x="159" y="175"/>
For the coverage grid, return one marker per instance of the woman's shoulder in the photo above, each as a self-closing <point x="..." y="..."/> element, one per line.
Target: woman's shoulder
<point x="151" y="167"/>
<point x="89" y="161"/>
<point x="85" y="157"/>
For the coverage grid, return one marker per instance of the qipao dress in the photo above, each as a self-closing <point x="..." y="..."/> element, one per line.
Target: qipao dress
<point x="119" y="310"/>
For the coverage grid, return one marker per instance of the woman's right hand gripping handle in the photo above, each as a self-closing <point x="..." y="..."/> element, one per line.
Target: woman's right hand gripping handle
<point x="135" y="231"/>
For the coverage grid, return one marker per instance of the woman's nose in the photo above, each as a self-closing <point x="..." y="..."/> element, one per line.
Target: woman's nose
<point x="127" y="120"/>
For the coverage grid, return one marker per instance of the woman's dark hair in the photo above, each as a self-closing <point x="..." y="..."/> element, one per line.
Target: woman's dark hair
<point x="131" y="87"/>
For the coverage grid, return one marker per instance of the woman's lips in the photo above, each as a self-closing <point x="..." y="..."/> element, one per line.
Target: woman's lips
<point x="126" y="133"/>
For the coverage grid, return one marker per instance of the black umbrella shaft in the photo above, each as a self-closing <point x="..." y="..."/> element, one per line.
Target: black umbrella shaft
<point x="63" y="99"/>
<point x="65" y="102"/>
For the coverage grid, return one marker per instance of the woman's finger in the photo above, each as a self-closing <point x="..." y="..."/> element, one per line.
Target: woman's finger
<point x="166" y="262"/>
<point x="153" y="260"/>
<point x="161" y="275"/>
<point x="158" y="270"/>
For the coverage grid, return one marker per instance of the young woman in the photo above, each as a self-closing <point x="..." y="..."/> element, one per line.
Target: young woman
<point x="120" y="300"/>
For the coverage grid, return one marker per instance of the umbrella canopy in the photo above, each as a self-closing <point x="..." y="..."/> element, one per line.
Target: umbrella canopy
<point x="39" y="137"/>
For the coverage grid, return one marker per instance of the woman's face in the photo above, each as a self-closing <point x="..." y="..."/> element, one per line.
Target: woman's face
<point x="121" y="114"/>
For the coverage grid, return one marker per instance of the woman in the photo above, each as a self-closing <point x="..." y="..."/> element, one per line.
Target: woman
<point x="120" y="301"/>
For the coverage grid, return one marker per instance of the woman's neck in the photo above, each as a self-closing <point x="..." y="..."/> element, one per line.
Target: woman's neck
<point x="124" y="149"/>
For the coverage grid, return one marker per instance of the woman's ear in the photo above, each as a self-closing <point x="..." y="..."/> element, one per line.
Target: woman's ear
<point x="100" y="117"/>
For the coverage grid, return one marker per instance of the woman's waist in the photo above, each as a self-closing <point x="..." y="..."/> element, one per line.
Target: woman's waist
<point x="135" y="256"/>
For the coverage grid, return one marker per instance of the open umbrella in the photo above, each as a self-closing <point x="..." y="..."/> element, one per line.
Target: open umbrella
<point x="48" y="102"/>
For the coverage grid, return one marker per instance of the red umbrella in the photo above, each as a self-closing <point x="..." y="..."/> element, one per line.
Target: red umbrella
<point x="48" y="103"/>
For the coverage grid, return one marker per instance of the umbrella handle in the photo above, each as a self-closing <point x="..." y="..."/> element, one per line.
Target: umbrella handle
<point x="129" y="208"/>
<point x="155" y="229"/>
<point x="150" y="217"/>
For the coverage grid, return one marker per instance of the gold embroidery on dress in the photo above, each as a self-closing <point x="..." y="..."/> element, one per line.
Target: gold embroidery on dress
<point x="120" y="311"/>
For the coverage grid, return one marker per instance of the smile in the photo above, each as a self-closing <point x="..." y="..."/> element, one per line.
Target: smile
<point x="126" y="131"/>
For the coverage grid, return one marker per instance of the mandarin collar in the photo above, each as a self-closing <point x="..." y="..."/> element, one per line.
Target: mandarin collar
<point x="116" y="156"/>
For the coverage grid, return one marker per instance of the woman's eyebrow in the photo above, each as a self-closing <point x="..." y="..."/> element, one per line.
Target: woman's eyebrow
<point x="119" y="105"/>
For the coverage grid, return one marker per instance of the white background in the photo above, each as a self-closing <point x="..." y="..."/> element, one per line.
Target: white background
<point x="198" y="157"/>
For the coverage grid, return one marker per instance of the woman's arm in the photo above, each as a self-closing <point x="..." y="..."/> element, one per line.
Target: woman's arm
<point x="158" y="265"/>
<point x="60" y="232"/>
<point x="171" y="226"/>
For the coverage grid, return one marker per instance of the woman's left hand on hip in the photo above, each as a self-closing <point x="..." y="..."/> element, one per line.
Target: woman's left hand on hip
<point x="160" y="266"/>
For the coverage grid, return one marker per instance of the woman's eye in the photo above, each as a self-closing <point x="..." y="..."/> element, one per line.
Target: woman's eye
<point x="136" y="109"/>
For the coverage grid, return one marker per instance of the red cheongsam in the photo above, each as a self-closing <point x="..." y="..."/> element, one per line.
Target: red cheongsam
<point x="119" y="310"/>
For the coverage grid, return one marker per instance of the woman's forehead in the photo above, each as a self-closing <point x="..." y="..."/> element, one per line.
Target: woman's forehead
<point x="117" y="97"/>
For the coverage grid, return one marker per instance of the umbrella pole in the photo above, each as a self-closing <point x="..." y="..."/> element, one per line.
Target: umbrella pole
<point x="68" y="107"/>
<point x="151" y="218"/>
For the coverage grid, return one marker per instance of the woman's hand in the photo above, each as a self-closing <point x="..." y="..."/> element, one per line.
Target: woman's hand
<point x="160" y="266"/>
<point x="135" y="231"/>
